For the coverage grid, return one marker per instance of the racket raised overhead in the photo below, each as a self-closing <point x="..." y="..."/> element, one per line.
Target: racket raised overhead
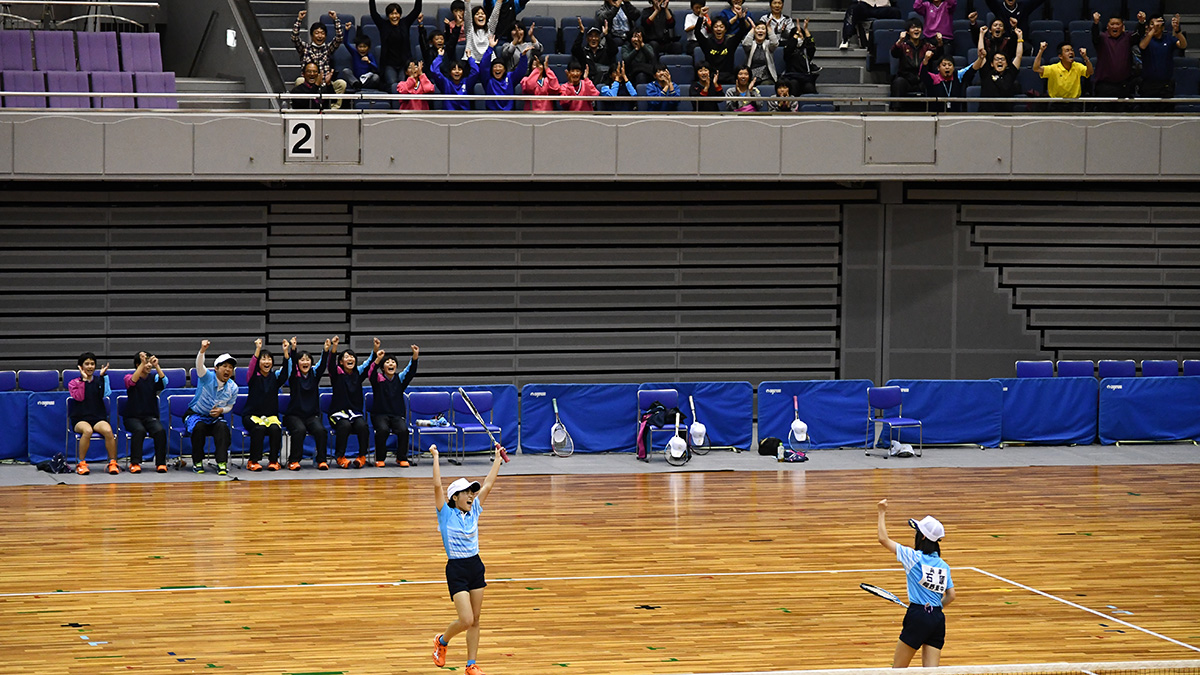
<point x="479" y="418"/>
<point x="560" y="439"/>
<point x="697" y="433"/>
<point x="883" y="593"/>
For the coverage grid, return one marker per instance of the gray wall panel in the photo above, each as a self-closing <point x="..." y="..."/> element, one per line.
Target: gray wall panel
<point x="901" y="140"/>
<point x="1122" y="256"/>
<point x="1123" y="147"/>
<point x="404" y="145"/>
<point x="556" y="148"/>
<point x="37" y="237"/>
<point x="1089" y="296"/>
<point x="917" y="236"/>
<point x="723" y="148"/>
<point x="1050" y="147"/>
<point x="1058" y="276"/>
<point x="1033" y="234"/>
<point x="491" y="147"/>
<point x="918" y="304"/>
<point x="55" y="281"/>
<point x="6" y="148"/>
<point x="825" y="144"/>
<point x="206" y="301"/>
<point x="58" y="144"/>
<point x="931" y="365"/>
<point x="187" y="280"/>
<point x="170" y="139"/>
<point x="990" y="139"/>
<point x="258" y="149"/>
<point x="1181" y="148"/>
<point x="65" y="261"/>
<point x="73" y="325"/>
<point x="658" y="147"/>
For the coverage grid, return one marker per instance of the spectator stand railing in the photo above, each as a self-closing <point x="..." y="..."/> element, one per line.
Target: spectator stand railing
<point x="914" y="105"/>
<point x="95" y="11"/>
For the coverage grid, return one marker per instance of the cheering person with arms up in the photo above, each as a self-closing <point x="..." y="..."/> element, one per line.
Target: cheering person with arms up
<point x="929" y="590"/>
<point x="458" y="509"/>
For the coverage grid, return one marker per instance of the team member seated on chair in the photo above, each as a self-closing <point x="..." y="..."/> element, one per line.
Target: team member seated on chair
<point x="260" y="417"/>
<point x="346" y="406"/>
<point x="304" y="407"/>
<point x="387" y="407"/>
<point x="215" y="394"/>
<point x="90" y="390"/>
<point x="141" y="411"/>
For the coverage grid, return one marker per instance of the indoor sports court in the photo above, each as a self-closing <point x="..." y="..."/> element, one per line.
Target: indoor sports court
<point x="680" y="571"/>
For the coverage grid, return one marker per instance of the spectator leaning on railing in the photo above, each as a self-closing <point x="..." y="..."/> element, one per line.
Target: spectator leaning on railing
<point x="1064" y="79"/>
<point x="541" y="81"/>
<point x="945" y="83"/>
<point x="911" y="50"/>
<point x="997" y="77"/>
<point x="662" y="86"/>
<point x="315" y="87"/>
<point x="1114" y="76"/>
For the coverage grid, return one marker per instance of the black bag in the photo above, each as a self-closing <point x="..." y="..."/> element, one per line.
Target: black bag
<point x="56" y="464"/>
<point x="769" y="446"/>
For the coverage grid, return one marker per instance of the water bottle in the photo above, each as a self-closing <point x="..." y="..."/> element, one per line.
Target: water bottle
<point x="779" y="453"/>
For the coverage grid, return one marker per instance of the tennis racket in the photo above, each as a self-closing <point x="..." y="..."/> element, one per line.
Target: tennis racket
<point x="883" y="593"/>
<point x="475" y="412"/>
<point x="698" y="432"/>
<point x="677" y="448"/>
<point x="799" y="431"/>
<point x="560" y="439"/>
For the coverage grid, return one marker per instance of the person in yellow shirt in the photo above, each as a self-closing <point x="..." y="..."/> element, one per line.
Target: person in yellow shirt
<point x="1063" y="79"/>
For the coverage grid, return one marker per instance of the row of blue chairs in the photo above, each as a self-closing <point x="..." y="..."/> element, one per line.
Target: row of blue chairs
<point x="1108" y="368"/>
<point x="1064" y="11"/>
<point x="422" y="406"/>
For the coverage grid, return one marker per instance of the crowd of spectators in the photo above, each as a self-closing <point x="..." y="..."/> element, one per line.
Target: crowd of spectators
<point x="626" y="51"/>
<point x="619" y="54"/>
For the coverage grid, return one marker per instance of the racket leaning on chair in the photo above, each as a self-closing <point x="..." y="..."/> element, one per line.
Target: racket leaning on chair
<point x="560" y="439"/>
<point x="883" y="593"/>
<point x="479" y="418"/>
<point x="677" y="448"/>
<point x="798" y="433"/>
<point x="697" y="433"/>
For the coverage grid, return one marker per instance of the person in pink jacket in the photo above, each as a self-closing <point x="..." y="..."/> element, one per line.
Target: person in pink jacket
<point x="541" y="81"/>
<point x="415" y="83"/>
<point x="939" y="18"/>
<point x="577" y="84"/>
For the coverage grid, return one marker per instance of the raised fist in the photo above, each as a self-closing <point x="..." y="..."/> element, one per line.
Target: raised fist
<point x="204" y="345"/>
<point x="303" y="13"/>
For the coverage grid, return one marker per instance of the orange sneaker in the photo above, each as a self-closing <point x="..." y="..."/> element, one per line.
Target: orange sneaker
<point x="81" y="469"/>
<point x="135" y="468"/>
<point x="274" y="466"/>
<point x="161" y="468"/>
<point x="293" y="466"/>
<point x="323" y="466"/>
<point x="379" y="465"/>
<point x="474" y="669"/>
<point x="254" y="466"/>
<point x="361" y="461"/>
<point x="403" y="462"/>
<point x="113" y="467"/>
<point x="439" y="651"/>
<point x="343" y="463"/>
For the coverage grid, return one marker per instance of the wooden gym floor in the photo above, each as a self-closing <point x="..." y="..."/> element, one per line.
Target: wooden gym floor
<point x="623" y="574"/>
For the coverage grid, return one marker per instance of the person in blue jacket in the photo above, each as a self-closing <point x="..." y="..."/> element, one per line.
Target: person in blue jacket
<point x="499" y="81"/>
<point x="455" y="78"/>
<point x="930" y="588"/>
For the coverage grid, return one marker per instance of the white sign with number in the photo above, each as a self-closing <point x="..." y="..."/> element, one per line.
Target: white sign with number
<point x="300" y="139"/>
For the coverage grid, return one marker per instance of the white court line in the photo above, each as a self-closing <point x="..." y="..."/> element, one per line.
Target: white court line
<point x="439" y="581"/>
<point x="1086" y="609"/>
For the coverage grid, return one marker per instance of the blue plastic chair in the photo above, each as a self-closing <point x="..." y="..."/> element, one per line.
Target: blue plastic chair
<point x="669" y="398"/>
<point x="879" y="401"/>
<point x="8" y="380"/>
<point x="1035" y="369"/>
<point x="176" y="377"/>
<point x="1076" y="369"/>
<point x="466" y="422"/>
<point x="1112" y="368"/>
<point x="425" y="405"/>
<point x="1160" y="368"/>
<point x="71" y="448"/>
<point x="1191" y="368"/>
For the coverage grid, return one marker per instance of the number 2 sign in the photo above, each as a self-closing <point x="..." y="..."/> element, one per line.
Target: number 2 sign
<point x="300" y="139"/>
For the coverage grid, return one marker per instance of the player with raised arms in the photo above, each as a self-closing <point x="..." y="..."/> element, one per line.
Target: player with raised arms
<point x="929" y="590"/>
<point x="458" y="509"/>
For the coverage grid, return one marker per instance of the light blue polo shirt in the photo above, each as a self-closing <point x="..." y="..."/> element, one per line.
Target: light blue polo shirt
<point x="460" y="531"/>
<point x="928" y="576"/>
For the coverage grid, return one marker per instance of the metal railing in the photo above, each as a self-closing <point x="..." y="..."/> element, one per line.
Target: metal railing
<point x="931" y="105"/>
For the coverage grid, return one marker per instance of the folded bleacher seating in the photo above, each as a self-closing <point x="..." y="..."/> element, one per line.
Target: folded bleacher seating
<point x="16" y="50"/>
<point x="98" y="52"/>
<point x="112" y="83"/>
<point x="155" y="83"/>
<point x="69" y="82"/>
<point x="24" y="81"/>
<point x="140" y="53"/>
<point x="54" y="50"/>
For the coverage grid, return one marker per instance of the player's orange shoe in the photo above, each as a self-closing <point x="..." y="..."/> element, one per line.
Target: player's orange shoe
<point x="81" y="469"/>
<point x="474" y="669"/>
<point x="439" y="651"/>
<point x="274" y="466"/>
<point x="379" y="465"/>
<point x="113" y="467"/>
<point x="323" y="466"/>
<point x="361" y="461"/>
<point x="403" y="463"/>
<point x="293" y="466"/>
<point x="254" y="466"/>
<point x="343" y="463"/>
<point x="135" y="468"/>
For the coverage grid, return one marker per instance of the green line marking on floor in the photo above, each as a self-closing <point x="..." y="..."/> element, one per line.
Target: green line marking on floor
<point x="1136" y="494"/>
<point x="175" y="588"/>
<point x="533" y="588"/>
<point x="785" y="610"/>
<point x="246" y="627"/>
<point x="44" y="611"/>
<point x="670" y="659"/>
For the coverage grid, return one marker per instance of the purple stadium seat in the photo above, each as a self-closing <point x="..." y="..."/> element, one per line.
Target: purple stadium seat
<point x="16" y="50"/>
<point x="155" y="83"/>
<point x="68" y="82"/>
<point x="140" y="53"/>
<point x="112" y="83"/>
<point x="24" y="81"/>
<point x="55" y="50"/>
<point x="98" y="52"/>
